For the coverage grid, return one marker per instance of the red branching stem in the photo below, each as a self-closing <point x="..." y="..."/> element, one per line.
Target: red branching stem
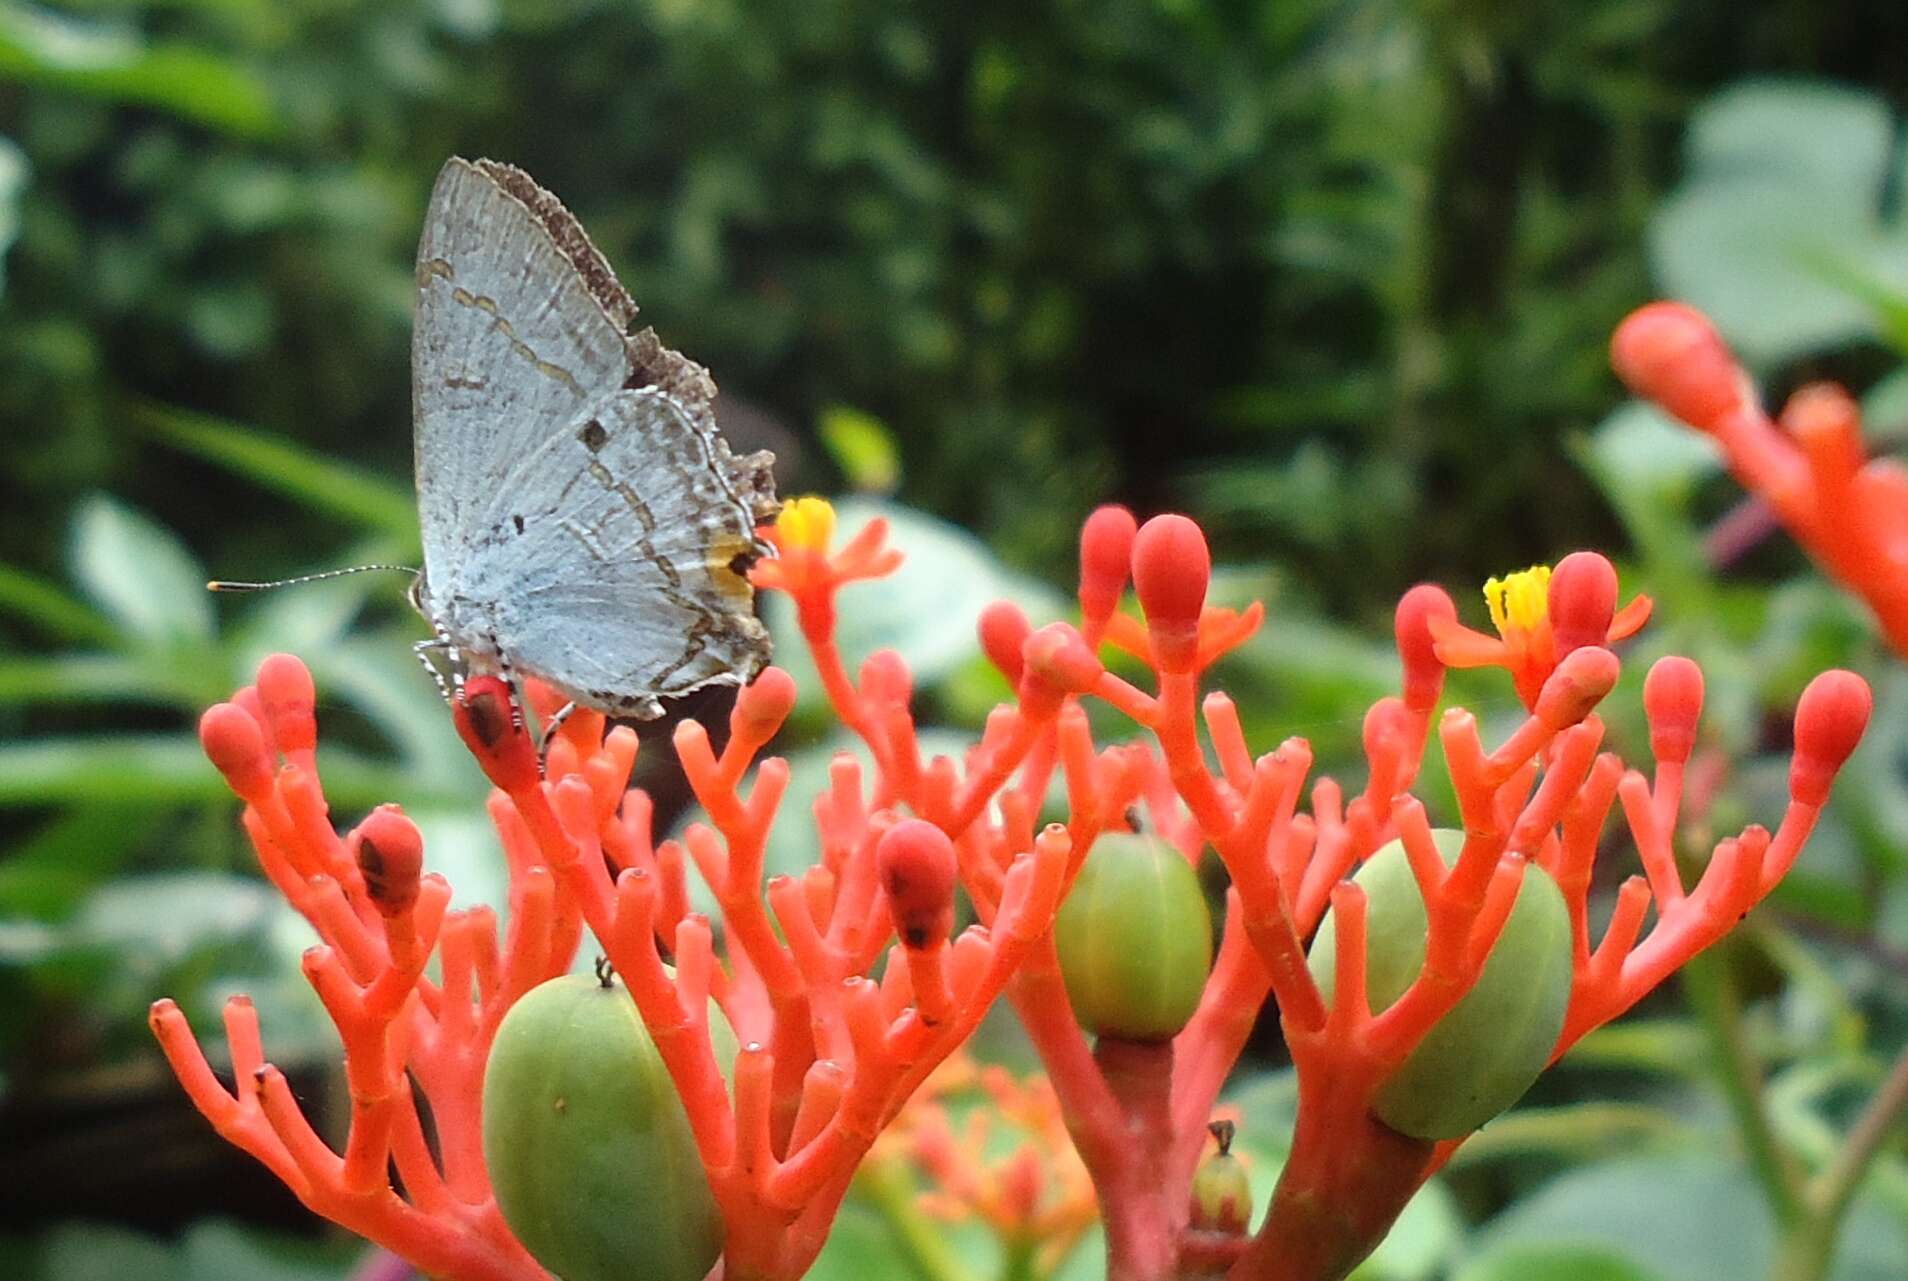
<point x="829" y="1056"/>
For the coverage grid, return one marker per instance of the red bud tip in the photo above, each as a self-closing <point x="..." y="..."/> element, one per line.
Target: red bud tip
<point x="915" y="861"/>
<point x="1827" y="423"/>
<point x="1417" y="648"/>
<point x="762" y="705"/>
<point x="1058" y="656"/>
<point x="390" y="853"/>
<point x="1671" y="354"/>
<point x="235" y="744"/>
<point x="1172" y="567"/>
<point x="1387" y="723"/>
<point x="288" y="699"/>
<point x="1106" y="554"/>
<point x="1003" y="630"/>
<point x="488" y="722"/>
<point x="1582" y="601"/>
<point x="1580" y="682"/>
<point x="1673" y="701"/>
<point x="885" y="678"/>
<point x="1829" y="722"/>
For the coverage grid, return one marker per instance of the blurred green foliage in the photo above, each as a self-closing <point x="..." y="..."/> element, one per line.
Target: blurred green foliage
<point x="1334" y="275"/>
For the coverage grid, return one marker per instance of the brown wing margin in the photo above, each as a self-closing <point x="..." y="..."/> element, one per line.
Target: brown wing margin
<point x="570" y="237"/>
<point x="651" y="363"/>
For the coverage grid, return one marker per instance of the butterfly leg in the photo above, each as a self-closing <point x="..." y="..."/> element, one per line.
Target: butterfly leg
<point x="440" y="658"/>
<point x="547" y="733"/>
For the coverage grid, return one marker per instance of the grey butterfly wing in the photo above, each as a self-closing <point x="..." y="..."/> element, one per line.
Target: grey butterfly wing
<point x="510" y="341"/>
<point x="531" y="559"/>
<point x="619" y="574"/>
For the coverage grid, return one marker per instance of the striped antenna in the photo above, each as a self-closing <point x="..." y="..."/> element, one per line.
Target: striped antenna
<point x="222" y="585"/>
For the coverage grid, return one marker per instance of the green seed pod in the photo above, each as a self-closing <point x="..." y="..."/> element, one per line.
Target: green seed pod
<point x="1221" y="1192"/>
<point x="1481" y="1056"/>
<point x="589" y="1148"/>
<point x="1135" y="939"/>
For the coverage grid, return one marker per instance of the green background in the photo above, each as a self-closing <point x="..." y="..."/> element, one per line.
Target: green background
<point x="1335" y="277"/>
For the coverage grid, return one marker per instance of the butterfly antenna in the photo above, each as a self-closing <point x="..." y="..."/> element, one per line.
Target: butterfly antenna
<point x="224" y="585"/>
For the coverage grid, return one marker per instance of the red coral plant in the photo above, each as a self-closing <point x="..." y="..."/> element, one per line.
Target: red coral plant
<point x="1809" y="463"/>
<point x="829" y="1054"/>
<point x="1138" y="1111"/>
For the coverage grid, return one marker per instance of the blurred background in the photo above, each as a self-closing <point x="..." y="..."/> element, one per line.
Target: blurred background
<point x="1334" y="276"/>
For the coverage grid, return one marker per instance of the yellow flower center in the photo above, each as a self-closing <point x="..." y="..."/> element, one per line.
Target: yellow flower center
<point x="807" y="523"/>
<point x="1520" y="600"/>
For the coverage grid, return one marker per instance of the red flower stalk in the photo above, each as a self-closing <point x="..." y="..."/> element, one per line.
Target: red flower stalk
<point x="1849" y="512"/>
<point x="830" y="1055"/>
<point x="1138" y="1111"/>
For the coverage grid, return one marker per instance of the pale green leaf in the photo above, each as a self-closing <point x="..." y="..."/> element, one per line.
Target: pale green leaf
<point x="140" y="574"/>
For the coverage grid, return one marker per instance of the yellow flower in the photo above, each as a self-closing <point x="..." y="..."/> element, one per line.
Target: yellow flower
<point x="1520" y="600"/>
<point x="806" y="523"/>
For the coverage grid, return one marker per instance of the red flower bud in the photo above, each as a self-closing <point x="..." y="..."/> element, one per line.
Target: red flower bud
<point x="762" y="705"/>
<point x="288" y="700"/>
<point x="1003" y="630"/>
<point x="1057" y="655"/>
<point x="1172" y="567"/>
<point x="1577" y="686"/>
<point x="885" y="678"/>
<point x="915" y="861"/>
<point x="1417" y="649"/>
<point x="1827" y="423"/>
<point x="1673" y="700"/>
<point x="1582" y="601"/>
<point x="487" y="720"/>
<point x="1106" y="554"/>
<point x="235" y="744"/>
<point x="1671" y="354"/>
<point x="390" y="853"/>
<point x="1829" y="722"/>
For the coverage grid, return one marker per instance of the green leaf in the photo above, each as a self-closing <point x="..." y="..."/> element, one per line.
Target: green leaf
<point x="50" y="608"/>
<point x="1777" y="231"/>
<point x="164" y="916"/>
<point x="156" y="769"/>
<point x="1576" y="1130"/>
<point x="860" y="1246"/>
<point x="50" y="872"/>
<point x="863" y="447"/>
<point x="1554" y="1263"/>
<point x="1425" y="1236"/>
<point x="140" y="573"/>
<point x="13" y="184"/>
<point x="112" y="63"/>
<point x="208" y="1251"/>
<point x="1648" y="468"/>
<point x="320" y="483"/>
<point x="94" y="678"/>
<point x="1688" y="1217"/>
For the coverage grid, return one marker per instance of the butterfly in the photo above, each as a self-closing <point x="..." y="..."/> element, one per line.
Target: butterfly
<point x="583" y="522"/>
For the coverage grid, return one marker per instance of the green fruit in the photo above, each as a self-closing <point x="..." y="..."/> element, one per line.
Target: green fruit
<point x="1481" y="1056"/>
<point x="1221" y="1192"/>
<point x="1135" y="939"/>
<point x="589" y="1148"/>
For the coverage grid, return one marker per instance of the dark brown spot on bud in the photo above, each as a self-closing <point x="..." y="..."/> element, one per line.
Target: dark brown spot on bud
<point x="593" y="436"/>
<point x="490" y="718"/>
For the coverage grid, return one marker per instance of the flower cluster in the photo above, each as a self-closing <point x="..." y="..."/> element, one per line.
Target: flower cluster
<point x="829" y="1054"/>
<point x="1006" y="1161"/>
<point x="1809" y="464"/>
